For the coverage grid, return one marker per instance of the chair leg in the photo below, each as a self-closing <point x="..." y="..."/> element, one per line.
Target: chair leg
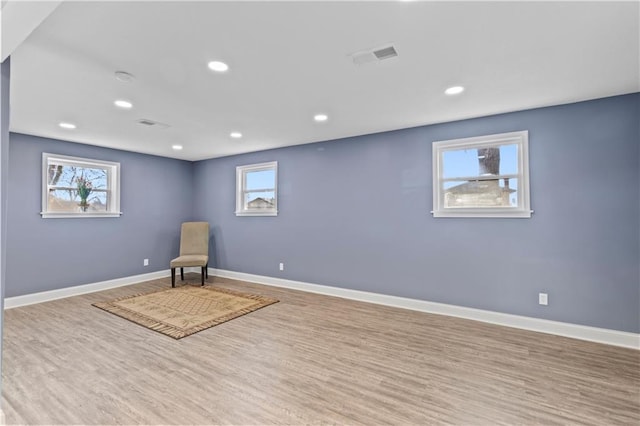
<point x="182" y="274"/>
<point x="202" y="276"/>
<point x="173" y="277"/>
<point x="206" y="270"/>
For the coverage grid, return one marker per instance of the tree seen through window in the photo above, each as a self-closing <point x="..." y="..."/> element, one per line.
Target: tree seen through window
<point x="63" y="187"/>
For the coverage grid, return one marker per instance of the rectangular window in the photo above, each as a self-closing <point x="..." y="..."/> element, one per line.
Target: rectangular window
<point x="486" y="176"/>
<point x="257" y="189"/>
<point x="79" y="187"/>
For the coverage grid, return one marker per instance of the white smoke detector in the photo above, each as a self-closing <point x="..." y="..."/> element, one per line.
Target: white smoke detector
<point x="124" y="76"/>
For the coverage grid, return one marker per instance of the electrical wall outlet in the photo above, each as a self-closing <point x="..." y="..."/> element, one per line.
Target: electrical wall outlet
<point x="145" y="262"/>
<point x="543" y="299"/>
<point x="282" y="266"/>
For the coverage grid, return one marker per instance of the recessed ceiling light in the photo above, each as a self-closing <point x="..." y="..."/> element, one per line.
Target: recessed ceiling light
<point x="454" y="90"/>
<point x="123" y="104"/>
<point x="321" y="117"/>
<point x="176" y="147"/>
<point x="218" y="66"/>
<point x="67" y="125"/>
<point x="235" y="135"/>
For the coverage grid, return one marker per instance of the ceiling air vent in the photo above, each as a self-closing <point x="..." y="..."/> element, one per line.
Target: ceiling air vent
<point x="385" y="53"/>
<point x="151" y="123"/>
<point x="374" y="55"/>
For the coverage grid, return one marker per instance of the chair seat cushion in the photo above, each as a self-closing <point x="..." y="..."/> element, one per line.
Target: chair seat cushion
<point x="189" y="260"/>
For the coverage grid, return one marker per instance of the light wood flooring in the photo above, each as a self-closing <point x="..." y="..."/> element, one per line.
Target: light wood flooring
<point x="310" y="359"/>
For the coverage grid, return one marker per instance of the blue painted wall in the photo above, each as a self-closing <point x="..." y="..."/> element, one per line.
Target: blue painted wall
<point x="354" y="213"/>
<point x="47" y="254"/>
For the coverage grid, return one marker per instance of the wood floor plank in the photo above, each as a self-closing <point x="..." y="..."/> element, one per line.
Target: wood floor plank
<point x="310" y="359"/>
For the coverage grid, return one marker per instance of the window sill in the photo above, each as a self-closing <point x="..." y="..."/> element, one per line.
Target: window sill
<point x="476" y="213"/>
<point x="77" y="215"/>
<point x="265" y="213"/>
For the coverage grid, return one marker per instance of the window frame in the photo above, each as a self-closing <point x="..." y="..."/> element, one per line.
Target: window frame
<point x="523" y="210"/>
<point x="241" y="173"/>
<point x="113" y="186"/>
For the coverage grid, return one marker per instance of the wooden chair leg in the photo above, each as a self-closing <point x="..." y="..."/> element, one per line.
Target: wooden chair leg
<point x="182" y="274"/>
<point x="206" y="270"/>
<point x="173" y="277"/>
<point x="202" y="275"/>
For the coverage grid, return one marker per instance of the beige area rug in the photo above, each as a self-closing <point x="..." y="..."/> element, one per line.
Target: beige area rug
<point x="181" y="311"/>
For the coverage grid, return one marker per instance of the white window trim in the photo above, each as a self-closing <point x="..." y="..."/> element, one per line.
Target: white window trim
<point x="114" y="185"/>
<point x="241" y="172"/>
<point x="522" y="211"/>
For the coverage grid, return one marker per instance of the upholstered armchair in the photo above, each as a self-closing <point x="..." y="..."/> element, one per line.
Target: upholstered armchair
<point x="194" y="250"/>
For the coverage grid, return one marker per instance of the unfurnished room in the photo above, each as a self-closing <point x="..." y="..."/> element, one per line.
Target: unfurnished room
<point x="320" y="212"/>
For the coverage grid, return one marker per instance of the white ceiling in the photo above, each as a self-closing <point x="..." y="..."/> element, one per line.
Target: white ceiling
<point x="291" y="60"/>
<point x="19" y="19"/>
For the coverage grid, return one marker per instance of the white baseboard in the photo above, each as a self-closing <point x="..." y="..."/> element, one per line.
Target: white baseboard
<point x="576" y="331"/>
<point x="46" y="296"/>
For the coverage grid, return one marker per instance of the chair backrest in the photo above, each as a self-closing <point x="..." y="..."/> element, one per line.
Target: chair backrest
<point x="194" y="238"/>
